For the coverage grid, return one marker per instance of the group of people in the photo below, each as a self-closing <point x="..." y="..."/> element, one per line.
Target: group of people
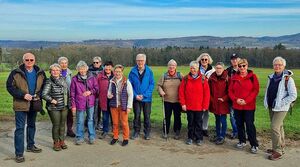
<point x="102" y="95"/>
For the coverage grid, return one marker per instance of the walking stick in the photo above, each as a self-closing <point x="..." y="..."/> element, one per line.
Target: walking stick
<point x="164" y="121"/>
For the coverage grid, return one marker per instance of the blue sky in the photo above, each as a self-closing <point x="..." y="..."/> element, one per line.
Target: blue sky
<point x="77" y="20"/>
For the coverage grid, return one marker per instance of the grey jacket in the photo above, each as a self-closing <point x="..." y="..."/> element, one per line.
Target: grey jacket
<point x="284" y="98"/>
<point x="56" y="89"/>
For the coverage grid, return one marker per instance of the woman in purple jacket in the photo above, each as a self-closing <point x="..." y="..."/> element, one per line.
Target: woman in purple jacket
<point x="84" y="87"/>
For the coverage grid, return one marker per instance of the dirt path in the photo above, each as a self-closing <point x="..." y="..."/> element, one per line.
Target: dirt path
<point x="156" y="152"/>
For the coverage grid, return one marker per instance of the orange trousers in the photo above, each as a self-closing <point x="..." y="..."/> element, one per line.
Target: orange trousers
<point x="120" y="116"/>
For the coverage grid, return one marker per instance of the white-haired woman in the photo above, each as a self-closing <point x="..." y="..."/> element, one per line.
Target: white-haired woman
<point x="280" y="93"/>
<point x="56" y="94"/>
<point x="84" y="87"/>
<point x="206" y="69"/>
<point x="194" y="98"/>
<point x="167" y="87"/>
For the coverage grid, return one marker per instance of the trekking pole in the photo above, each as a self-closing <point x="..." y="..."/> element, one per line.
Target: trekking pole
<point x="164" y="121"/>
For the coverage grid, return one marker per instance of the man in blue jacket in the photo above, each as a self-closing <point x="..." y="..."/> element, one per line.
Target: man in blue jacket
<point x="142" y="80"/>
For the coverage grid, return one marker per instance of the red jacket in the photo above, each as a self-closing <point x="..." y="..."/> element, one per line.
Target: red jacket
<point x="194" y="93"/>
<point x="246" y="88"/>
<point x="219" y="89"/>
<point x="103" y="82"/>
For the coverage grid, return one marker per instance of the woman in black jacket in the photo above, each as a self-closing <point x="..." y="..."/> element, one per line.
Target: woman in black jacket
<point x="56" y="94"/>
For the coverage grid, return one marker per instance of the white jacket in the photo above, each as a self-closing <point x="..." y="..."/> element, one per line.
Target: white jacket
<point x="284" y="98"/>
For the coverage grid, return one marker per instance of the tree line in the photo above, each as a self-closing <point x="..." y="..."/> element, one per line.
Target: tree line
<point x="257" y="57"/>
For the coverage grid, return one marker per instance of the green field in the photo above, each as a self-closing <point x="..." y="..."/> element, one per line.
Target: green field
<point x="262" y="122"/>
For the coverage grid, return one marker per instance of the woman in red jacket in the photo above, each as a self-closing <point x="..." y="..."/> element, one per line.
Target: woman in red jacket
<point x="194" y="98"/>
<point x="218" y="84"/>
<point x="243" y="90"/>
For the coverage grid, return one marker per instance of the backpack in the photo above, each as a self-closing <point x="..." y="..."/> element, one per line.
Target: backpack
<point x="166" y="77"/>
<point x="286" y="80"/>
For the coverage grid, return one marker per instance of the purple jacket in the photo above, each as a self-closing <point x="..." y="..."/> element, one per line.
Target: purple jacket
<point x="103" y="83"/>
<point x="78" y="86"/>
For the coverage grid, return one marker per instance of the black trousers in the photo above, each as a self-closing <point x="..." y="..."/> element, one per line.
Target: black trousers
<point x="169" y="108"/>
<point x="243" y="117"/>
<point x="138" y="107"/>
<point x="194" y="119"/>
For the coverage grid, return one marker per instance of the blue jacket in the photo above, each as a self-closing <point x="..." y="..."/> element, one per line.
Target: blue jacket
<point x="145" y="87"/>
<point x="284" y="98"/>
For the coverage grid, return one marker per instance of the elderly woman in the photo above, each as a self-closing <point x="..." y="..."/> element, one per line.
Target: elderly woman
<point x="194" y="98"/>
<point x="66" y="73"/>
<point x="84" y="87"/>
<point x="206" y="69"/>
<point x="218" y="84"/>
<point x="103" y="82"/>
<point x="56" y="94"/>
<point x="280" y="93"/>
<point x="121" y="94"/>
<point x="243" y="90"/>
<point x="167" y="87"/>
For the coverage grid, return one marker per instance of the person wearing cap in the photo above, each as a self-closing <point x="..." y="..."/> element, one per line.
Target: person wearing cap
<point x="206" y="69"/>
<point x="234" y="58"/>
<point x="243" y="90"/>
<point x="167" y="87"/>
<point x="142" y="80"/>
<point x="120" y="94"/>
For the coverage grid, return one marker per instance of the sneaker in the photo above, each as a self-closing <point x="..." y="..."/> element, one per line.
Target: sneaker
<point x="199" y="142"/>
<point x="147" y="137"/>
<point x="113" y="141"/>
<point x="56" y="146"/>
<point x="34" y="149"/>
<point x="103" y="135"/>
<point x="233" y="136"/>
<point x="177" y="135"/>
<point x="19" y="158"/>
<point x="63" y="144"/>
<point x="254" y="149"/>
<point x="92" y="141"/>
<point x="205" y="133"/>
<point x="240" y="145"/>
<point x="79" y="141"/>
<point x="135" y="135"/>
<point x="220" y="141"/>
<point x="189" y="142"/>
<point x="275" y="156"/>
<point x="71" y="134"/>
<point x="125" y="143"/>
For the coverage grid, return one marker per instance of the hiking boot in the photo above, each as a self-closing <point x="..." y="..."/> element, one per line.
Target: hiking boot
<point x="135" y="135"/>
<point x="177" y="135"/>
<point x="92" y="141"/>
<point x="79" y="141"/>
<point x="56" y="146"/>
<point x="19" y="158"/>
<point x="275" y="156"/>
<point x="220" y="141"/>
<point x="240" y="145"/>
<point x="205" y="133"/>
<point x="189" y="142"/>
<point x="113" y="141"/>
<point x="71" y="134"/>
<point x="34" y="149"/>
<point x="271" y="151"/>
<point x="125" y="143"/>
<point x="254" y="149"/>
<point x="103" y="135"/>
<point x="63" y="144"/>
<point x="199" y="142"/>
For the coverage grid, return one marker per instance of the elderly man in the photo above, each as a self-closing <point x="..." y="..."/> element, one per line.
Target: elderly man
<point x="141" y="78"/>
<point x="25" y="84"/>
<point x="66" y="73"/>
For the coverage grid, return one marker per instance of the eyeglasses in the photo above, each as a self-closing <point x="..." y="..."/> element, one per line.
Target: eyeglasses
<point x="96" y="62"/>
<point x="244" y="65"/>
<point x="204" y="59"/>
<point x="29" y="60"/>
<point x="278" y="65"/>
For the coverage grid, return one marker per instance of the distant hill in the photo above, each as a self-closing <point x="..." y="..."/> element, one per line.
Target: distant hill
<point x="290" y="41"/>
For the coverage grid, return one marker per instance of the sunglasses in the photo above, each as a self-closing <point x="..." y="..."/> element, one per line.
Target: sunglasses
<point x="240" y="66"/>
<point x="31" y="60"/>
<point x="204" y="59"/>
<point x="96" y="62"/>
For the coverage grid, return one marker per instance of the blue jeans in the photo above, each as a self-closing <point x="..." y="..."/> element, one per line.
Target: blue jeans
<point x="221" y="121"/>
<point x="106" y="116"/>
<point x="20" y="117"/>
<point x="80" y="123"/>
<point x="233" y="122"/>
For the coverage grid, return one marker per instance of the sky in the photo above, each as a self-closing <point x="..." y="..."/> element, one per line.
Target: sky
<point x="64" y="20"/>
